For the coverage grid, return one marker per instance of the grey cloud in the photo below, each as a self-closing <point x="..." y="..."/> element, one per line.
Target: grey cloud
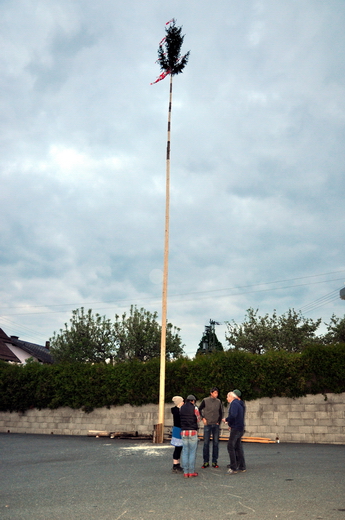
<point x="257" y="177"/>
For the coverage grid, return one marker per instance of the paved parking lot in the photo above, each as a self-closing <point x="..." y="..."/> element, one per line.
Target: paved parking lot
<point x="86" y="478"/>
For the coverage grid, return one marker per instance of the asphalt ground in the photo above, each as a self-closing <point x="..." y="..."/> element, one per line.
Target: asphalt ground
<point x="87" y="478"/>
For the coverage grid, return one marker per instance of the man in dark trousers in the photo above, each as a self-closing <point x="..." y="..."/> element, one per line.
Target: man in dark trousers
<point x="235" y="421"/>
<point x="211" y="412"/>
<point x="190" y="416"/>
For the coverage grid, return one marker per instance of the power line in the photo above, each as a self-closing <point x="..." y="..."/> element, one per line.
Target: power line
<point x="260" y="290"/>
<point x="20" y="329"/>
<point x="119" y="301"/>
<point x="320" y="302"/>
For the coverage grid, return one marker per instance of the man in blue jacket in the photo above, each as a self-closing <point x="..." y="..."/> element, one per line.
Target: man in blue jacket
<point x="235" y="421"/>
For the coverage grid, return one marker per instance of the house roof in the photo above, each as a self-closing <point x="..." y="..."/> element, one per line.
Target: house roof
<point x="37" y="351"/>
<point x="41" y="353"/>
<point x="6" y="353"/>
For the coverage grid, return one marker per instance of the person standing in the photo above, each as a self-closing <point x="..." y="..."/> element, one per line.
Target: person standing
<point x="190" y="416"/>
<point x="235" y="421"/>
<point x="211" y="412"/>
<point x="176" y="439"/>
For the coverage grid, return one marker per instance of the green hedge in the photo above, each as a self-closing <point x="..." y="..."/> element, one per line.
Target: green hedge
<point x="318" y="369"/>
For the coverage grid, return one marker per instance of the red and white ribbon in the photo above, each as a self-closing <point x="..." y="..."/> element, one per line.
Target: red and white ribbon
<point x="163" y="75"/>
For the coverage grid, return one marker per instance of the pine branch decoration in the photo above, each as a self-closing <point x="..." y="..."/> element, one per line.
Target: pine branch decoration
<point x="169" y="52"/>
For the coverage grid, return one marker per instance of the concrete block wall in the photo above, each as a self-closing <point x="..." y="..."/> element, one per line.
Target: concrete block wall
<point x="310" y="419"/>
<point x="65" y="421"/>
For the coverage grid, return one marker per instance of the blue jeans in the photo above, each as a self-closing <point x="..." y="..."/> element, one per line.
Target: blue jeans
<point x="235" y="450"/>
<point x="190" y="444"/>
<point x="208" y="430"/>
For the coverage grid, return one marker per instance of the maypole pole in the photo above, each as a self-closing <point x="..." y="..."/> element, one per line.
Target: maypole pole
<point x="160" y="432"/>
<point x="171" y="63"/>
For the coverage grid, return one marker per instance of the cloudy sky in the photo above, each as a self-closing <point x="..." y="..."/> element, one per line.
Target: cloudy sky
<point x="257" y="161"/>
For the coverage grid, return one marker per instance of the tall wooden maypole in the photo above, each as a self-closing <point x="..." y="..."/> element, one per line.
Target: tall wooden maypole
<point x="171" y="63"/>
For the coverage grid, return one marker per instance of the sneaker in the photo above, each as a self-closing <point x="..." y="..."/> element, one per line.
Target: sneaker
<point x="177" y="469"/>
<point x="215" y="465"/>
<point x="205" y="465"/>
<point x="186" y="475"/>
<point x="242" y="470"/>
<point x="231" y="471"/>
<point x="193" y="474"/>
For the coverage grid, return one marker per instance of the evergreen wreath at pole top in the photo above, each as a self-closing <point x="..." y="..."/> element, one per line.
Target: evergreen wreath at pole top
<point x="169" y="51"/>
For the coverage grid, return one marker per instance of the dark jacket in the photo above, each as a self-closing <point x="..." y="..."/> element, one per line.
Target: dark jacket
<point x="188" y="417"/>
<point x="176" y="416"/>
<point x="236" y="414"/>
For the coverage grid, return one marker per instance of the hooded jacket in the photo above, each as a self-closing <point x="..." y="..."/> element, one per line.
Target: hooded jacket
<point x="235" y="418"/>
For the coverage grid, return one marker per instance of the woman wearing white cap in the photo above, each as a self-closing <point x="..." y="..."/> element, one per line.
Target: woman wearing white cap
<point x="176" y="433"/>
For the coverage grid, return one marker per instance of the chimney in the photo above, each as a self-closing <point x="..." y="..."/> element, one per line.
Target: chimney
<point x="47" y="345"/>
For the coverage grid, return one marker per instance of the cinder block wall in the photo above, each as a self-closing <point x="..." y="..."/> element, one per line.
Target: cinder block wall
<point x="310" y="419"/>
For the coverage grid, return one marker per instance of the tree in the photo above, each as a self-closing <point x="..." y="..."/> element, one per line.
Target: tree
<point x="254" y="335"/>
<point x="138" y="335"/>
<point x="259" y="334"/>
<point x="336" y="331"/>
<point x="95" y="339"/>
<point x="88" y="338"/>
<point x="209" y="341"/>
<point x="294" y="332"/>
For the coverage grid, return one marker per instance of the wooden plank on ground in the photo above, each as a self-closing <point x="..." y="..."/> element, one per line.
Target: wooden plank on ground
<point x="263" y="440"/>
<point x="98" y="433"/>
